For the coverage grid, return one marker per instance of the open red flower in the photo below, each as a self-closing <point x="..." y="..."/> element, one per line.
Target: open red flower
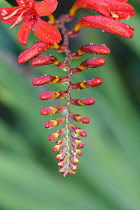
<point x="30" y="12"/>
<point x="110" y="8"/>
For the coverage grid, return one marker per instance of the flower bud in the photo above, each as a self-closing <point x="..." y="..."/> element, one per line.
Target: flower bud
<point x="87" y="84"/>
<point x="56" y="135"/>
<point x="58" y="145"/>
<point x="75" y="149"/>
<point x="77" y="130"/>
<point x="46" y="60"/>
<point x="92" y="63"/>
<point x="97" y="49"/>
<point x="47" y="79"/>
<point x="33" y="51"/>
<point x="79" y="118"/>
<point x="82" y="102"/>
<point x="77" y="141"/>
<point x="63" y="168"/>
<point x="62" y="161"/>
<point x="61" y="153"/>
<point x="53" y="123"/>
<point x="51" y="110"/>
<point x="52" y="94"/>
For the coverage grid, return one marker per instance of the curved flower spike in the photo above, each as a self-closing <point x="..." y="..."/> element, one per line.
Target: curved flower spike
<point x="30" y="12"/>
<point x="106" y="24"/>
<point x="108" y="8"/>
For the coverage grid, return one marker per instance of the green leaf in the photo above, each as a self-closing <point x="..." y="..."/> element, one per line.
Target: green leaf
<point x="4" y="3"/>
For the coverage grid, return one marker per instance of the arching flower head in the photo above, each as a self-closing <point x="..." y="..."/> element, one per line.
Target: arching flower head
<point x="30" y="12"/>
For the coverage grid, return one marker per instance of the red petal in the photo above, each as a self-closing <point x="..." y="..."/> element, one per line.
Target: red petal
<point x="24" y="32"/>
<point x="46" y="32"/>
<point x="25" y="2"/>
<point x="113" y="8"/>
<point x="106" y="24"/>
<point x="46" y="7"/>
<point x="5" y="12"/>
<point x="33" y="51"/>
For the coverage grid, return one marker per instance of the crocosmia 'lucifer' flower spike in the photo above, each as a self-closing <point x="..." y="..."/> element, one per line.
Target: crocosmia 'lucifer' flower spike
<point x="108" y="8"/>
<point x="106" y="24"/>
<point x="30" y="12"/>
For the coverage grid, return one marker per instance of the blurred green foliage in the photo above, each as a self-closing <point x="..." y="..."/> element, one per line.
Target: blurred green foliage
<point x="108" y="177"/>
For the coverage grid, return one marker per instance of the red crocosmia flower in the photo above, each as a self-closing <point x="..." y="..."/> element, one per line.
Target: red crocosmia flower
<point x="106" y="24"/>
<point x="109" y="8"/>
<point x="30" y="12"/>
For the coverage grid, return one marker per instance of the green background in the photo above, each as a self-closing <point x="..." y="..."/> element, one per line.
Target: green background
<point x="108" y="176"/>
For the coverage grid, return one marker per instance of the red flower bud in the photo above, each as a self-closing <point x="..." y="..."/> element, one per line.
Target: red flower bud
<point x="56" y="135"/>
<point x="75" y="149"/>
<point x="106" y="24"/>
<point x="53" y="123"/>
<point x="74" y="158"/>
<point x="47" y="79"/>
<point x="77" y="130"/>
<point x="52" y="110"/>
<point x="63" y="168"/>
<point x="58" y="145"/>
<point x="52" y="94"/>
<point x="33" y="51"/>
<point x="94" y="49"/>
<point x="61" y="153"/>
<point x="79" y="118"/>
<point x="62" y="161"/>
<point x="92" y="63"/>
<point x="77" y="141"/>
<point x="87" y="84"/>
<point x="44" y="60"/>
<point x="82" y="102"/>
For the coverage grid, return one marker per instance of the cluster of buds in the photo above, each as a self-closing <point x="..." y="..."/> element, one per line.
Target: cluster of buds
<point x="68" y="144"/>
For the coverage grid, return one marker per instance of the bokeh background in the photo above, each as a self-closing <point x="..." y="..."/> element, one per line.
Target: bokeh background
<point x="108" y="177"/>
